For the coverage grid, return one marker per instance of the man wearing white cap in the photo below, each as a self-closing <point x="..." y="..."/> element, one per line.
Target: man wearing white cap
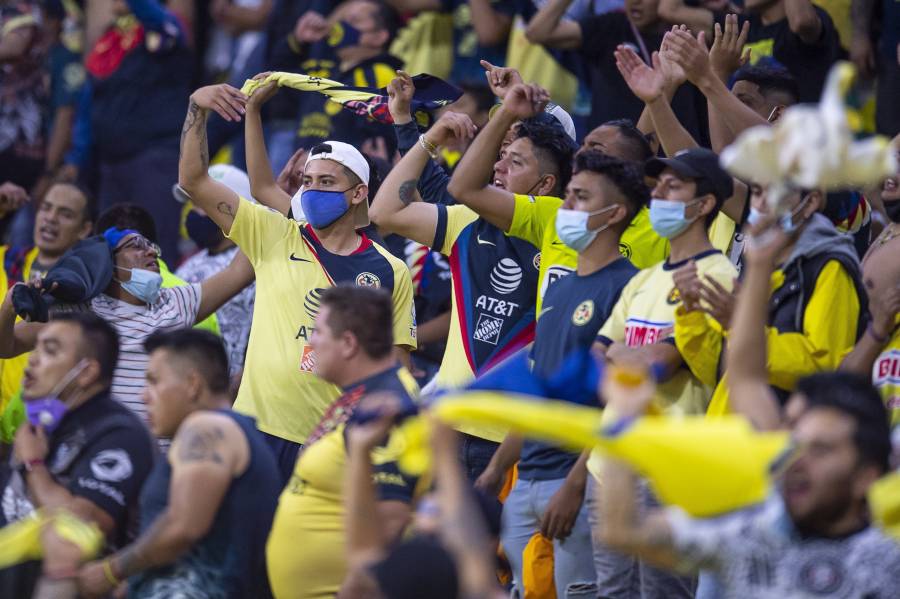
<point x="216" y="252"/>
<point x="294" y="263"/>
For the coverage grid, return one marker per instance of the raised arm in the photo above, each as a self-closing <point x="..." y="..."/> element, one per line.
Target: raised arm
<point x="491" y="26"/>
<point x="549" y="28"/>
<point x="803" y="20"/>
<point x="648" y="84"/>
<point x="224" y="285"/>
<point x="263" y="185"/>
<point x="468" y="184"/>
<point x="861" y="50"/>
<point x="15" y="338"/>
<point x="745" y="357"/>
<point x="397" y="207"/>
<point x="217" y="200"/>
<point x="726" y="56"/>
<point x="693" y="57"/>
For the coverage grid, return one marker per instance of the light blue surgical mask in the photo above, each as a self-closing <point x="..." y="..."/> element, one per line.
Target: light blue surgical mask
<point x="144" y="284"/>
<point x="322" y="208"/>
<point x="787" y="220"/>
<point x="755" y="217"/>
<point x="667" y="217"/>
<point x="572" y="227"/>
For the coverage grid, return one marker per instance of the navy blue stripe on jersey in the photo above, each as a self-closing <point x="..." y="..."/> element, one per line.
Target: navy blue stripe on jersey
<point x="495" y="282"/>
<point x="365" y="267"/>
<point x="440" y="231"/>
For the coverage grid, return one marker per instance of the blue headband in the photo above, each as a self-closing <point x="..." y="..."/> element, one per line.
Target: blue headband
<point x="114" y="235"/>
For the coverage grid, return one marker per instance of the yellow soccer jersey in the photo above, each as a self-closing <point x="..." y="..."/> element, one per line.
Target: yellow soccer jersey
<point x="645" y="314"/>
<point x="494" y="279"/>
<point x="292" y="269"/>
<point x="305" y="552"/>
<point x="534" y="220"/>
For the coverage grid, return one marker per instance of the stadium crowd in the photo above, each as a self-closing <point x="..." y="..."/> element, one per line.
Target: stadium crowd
<point x="245" y="253"/>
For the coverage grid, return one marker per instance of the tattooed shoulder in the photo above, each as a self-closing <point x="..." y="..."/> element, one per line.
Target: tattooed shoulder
<point x="201" y="442"/>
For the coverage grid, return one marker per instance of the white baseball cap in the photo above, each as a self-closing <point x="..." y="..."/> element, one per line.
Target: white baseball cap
<point x="230" y="176"/>
<point x="344" y="154"/>
<point x="564" y="118"/>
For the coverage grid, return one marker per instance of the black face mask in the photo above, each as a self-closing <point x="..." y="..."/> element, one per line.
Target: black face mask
<point x="893" y="210"/>
<point x="202" y="230"/>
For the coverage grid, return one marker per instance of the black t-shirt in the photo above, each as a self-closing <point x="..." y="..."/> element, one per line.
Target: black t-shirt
<point x="573" y="310"/>
<point x="809" y="63"/>
<point x="611" y="97"/>
<point x="100" y="452"/>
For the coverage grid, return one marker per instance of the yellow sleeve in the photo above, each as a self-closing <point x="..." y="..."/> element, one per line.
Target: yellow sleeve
<point x="458" y="218"/>
<point x="829" y="327"/>
<point x="531" y="216"/>
<point x="256" y="229"/>
<point x="699" y="341"/>
<point x="641" y="244"/>
<point x="404" y="308"/>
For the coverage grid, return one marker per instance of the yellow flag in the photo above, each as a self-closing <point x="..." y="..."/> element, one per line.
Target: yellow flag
<point x="21" y="541"/>
<point x="884" y="501"/>
<point x="705" y="466"/>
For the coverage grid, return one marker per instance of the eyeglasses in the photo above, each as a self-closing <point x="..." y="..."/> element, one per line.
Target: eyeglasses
<point x="139" y="243"/>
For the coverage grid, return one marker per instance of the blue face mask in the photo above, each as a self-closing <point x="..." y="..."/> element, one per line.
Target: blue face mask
<point x="667" y="217"/>
<point x="572" y="227"/>
<point x="144" y="284"/>
<point x="344" y="35"/>
<point x="202" y="230"/>
<point x="322" y="208"/>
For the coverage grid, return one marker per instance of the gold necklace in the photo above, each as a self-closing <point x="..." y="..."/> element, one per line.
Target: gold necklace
<point x="889" y="234"/>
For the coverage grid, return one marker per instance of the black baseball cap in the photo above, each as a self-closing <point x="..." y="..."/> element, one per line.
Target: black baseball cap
<point x="699" y="164"/>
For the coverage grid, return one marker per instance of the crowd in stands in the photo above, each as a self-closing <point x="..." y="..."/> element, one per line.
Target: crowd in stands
<point x="250" y="248"/>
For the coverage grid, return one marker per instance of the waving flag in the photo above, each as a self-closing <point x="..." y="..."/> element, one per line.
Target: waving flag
<point x="431" y="93"/>
<point x="21" y="541"/>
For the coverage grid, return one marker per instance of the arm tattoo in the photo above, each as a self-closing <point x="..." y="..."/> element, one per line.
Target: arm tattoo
<point x="408" y="191"/>
<point x="196" y="120"/>
<point x="201" y="444"/>
<point x="225" y="208"/>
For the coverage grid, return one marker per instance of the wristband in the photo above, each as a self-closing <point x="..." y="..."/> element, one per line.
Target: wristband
<point x="875" y="336"/>
<point x="428" y="147"/>
<point x="107" y="571"/>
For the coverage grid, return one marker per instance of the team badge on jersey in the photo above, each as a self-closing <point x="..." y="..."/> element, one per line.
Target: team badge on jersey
<point x="367" y="279"/>
<point x="536" y="261"/>
<point x="674" y="297"/>
<point x="583" y="313"/>
<point x="625" y="250"/>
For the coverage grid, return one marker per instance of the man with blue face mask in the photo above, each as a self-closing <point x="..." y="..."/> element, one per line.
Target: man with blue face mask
<point x="294" y="263"/>
<point x="79" y="449"/>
